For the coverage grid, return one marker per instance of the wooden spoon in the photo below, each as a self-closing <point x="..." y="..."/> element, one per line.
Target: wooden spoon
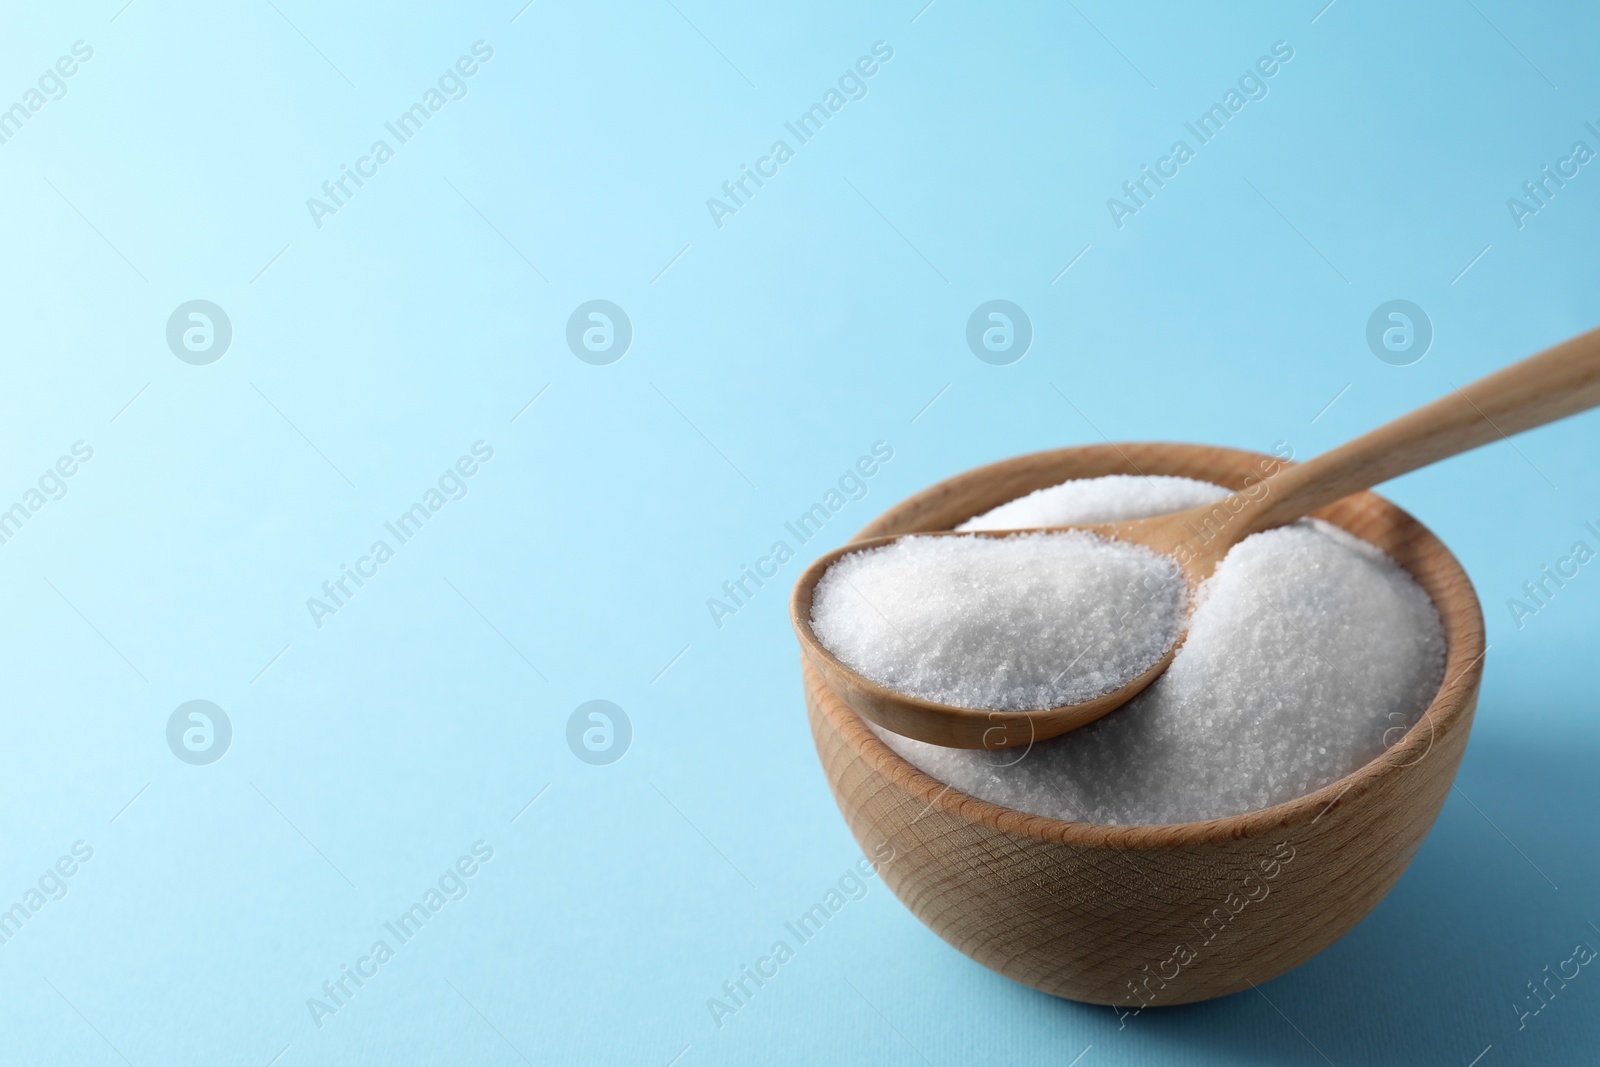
<point x="1557" y="382"/>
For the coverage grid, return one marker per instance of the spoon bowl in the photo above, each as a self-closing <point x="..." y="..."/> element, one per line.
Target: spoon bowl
<point x="948" y="724"/>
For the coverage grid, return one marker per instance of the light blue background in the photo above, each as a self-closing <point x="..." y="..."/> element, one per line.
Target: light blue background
<point x="371" y="352"/>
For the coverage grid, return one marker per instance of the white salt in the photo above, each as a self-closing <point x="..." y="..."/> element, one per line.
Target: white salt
<point x="1026" y="622"/>
<point x="1091" y="500"/>
<point x="1308" y="653"/>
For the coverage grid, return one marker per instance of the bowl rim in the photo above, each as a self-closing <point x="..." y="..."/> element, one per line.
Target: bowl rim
<point x="1452" y="704"/>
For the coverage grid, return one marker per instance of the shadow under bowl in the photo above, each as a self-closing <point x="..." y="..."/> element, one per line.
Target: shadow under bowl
<point x="1142" y="916"/>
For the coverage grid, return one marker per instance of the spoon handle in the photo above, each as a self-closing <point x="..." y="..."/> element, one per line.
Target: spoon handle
<point x="1560" y="381"/>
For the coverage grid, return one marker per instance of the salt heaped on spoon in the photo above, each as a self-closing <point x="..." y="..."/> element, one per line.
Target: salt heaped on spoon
<point x="1020" y="623"/>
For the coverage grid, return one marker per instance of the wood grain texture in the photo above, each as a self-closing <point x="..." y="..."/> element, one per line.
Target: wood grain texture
<point x="1152" y="915"/>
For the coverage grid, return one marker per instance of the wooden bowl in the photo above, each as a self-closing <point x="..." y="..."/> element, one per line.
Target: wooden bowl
<point x="1138" y="916"/>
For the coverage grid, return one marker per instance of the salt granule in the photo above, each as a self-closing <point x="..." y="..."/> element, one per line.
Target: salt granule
<point x="1309" y="652"/>
<point x="1018" y="623"/>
